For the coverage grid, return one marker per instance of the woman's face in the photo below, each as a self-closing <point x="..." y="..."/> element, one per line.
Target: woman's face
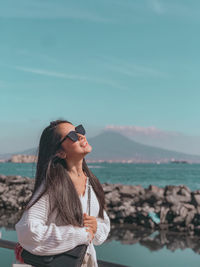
<point x="77" y="149"/>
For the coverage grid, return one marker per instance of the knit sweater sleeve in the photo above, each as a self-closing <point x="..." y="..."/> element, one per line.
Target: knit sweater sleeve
<point x="41" y="238"/>
<point x="103" y="229"/>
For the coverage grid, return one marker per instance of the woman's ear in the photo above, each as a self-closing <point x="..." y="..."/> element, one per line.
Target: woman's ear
<point x="61" y="154"/>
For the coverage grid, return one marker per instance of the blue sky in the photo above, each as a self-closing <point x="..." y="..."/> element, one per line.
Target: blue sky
<point x="108" y="62"/>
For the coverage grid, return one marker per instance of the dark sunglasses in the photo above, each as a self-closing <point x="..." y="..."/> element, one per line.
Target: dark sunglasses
<point x="73" y="134"/>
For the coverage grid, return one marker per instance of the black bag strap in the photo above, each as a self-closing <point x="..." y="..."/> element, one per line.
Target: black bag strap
<point x="89" y="196"/>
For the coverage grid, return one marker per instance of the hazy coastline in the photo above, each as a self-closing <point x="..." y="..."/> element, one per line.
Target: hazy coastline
<point x="23" y="158"/>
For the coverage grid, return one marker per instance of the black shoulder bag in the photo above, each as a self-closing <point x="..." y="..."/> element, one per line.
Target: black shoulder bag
<point x="72" y="258"/>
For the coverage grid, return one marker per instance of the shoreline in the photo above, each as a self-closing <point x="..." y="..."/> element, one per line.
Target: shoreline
<point x="23" y="158"/>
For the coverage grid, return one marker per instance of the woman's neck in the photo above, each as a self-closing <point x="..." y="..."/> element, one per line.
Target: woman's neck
<point x="75" y="168"/>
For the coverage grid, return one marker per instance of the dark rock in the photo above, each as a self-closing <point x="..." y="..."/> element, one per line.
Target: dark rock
<point x="108" y="187"/>
<point x="183" y="212"/>
<point x="189" y="218"/>
<point x="189" y="206"/>
<point x="197" y="199"/>
<point x="176" y="208"/>
<point x="151" y="197"/>
<point x="2" y="189"/>
<point x="185" y="192"/>
<point x="130" y="191"/>
<point x="163" y="213"/>
<point x="3" y="178"/>
<point x="198" y="210"/>
<point x="157" y="190"/>
<point x="113" y="198"/>
<point x="172" y="199"/>
<point x="185" y="188"/>
<point x="184" y="198"/>
<point x="171" y="190"/>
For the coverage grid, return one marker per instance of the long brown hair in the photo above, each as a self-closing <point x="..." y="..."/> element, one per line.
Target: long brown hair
<point x="52" y="172"/>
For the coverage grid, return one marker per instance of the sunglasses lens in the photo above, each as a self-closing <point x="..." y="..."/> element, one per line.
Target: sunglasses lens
<point x="73" y="136"/>
<point x="80" y="129"/>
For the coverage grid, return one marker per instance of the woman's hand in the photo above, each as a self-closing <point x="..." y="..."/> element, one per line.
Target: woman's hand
<point x="90" y="223"/>
<point x="91" y="234"/>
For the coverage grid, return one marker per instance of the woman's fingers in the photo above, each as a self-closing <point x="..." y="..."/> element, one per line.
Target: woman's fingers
<point x="89" y="218"/>
<point x="89" y="230"/>
<point x="89" y="225"/>
<point x="90" y="221"/>
<point x="92" y="226"/>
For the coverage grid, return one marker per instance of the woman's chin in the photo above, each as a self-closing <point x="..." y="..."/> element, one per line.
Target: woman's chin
<point x="88" y="148"/>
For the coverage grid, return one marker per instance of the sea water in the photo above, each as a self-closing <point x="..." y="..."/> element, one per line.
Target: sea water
<point x="134" y="255"/>
<point x="125" y="173"/>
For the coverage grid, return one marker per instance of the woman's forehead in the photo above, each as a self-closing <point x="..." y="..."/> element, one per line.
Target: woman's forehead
<point x="65" y="128"/>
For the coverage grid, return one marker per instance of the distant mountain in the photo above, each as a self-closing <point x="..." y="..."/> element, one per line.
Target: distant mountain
<point x="116" y="147"/>
<point x="155" y="137"/>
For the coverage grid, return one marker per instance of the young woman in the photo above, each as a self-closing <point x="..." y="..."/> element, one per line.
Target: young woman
<point x="56" y="218"/>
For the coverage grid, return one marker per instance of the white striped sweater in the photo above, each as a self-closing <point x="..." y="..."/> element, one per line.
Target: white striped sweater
<point x="42" y="237"/>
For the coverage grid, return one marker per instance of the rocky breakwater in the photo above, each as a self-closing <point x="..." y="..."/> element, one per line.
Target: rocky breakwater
<point x="15" y="191"/>
<point x="173" y="207"/>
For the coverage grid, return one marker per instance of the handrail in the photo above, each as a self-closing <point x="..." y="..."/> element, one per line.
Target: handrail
<point x="7" y="244"/>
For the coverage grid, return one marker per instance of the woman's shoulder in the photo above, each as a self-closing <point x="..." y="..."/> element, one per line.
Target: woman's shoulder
<point x="39" y="195"/>
<point x="37" y="208"/>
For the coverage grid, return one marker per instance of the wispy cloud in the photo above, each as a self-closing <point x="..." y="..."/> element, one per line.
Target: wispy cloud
<point x="71" y="77"/>
<point x="124" y="11"/>
<point x="137" y="70"/>
<point x="34" y="9"/>
<point x="174" y="8"/>
<point x="51" y="73"/>
<point x="133" y="129"/>
<point x="131" y="69"/>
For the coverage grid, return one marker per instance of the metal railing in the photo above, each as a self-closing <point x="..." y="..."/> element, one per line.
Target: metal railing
<point x="7" y="244"/>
